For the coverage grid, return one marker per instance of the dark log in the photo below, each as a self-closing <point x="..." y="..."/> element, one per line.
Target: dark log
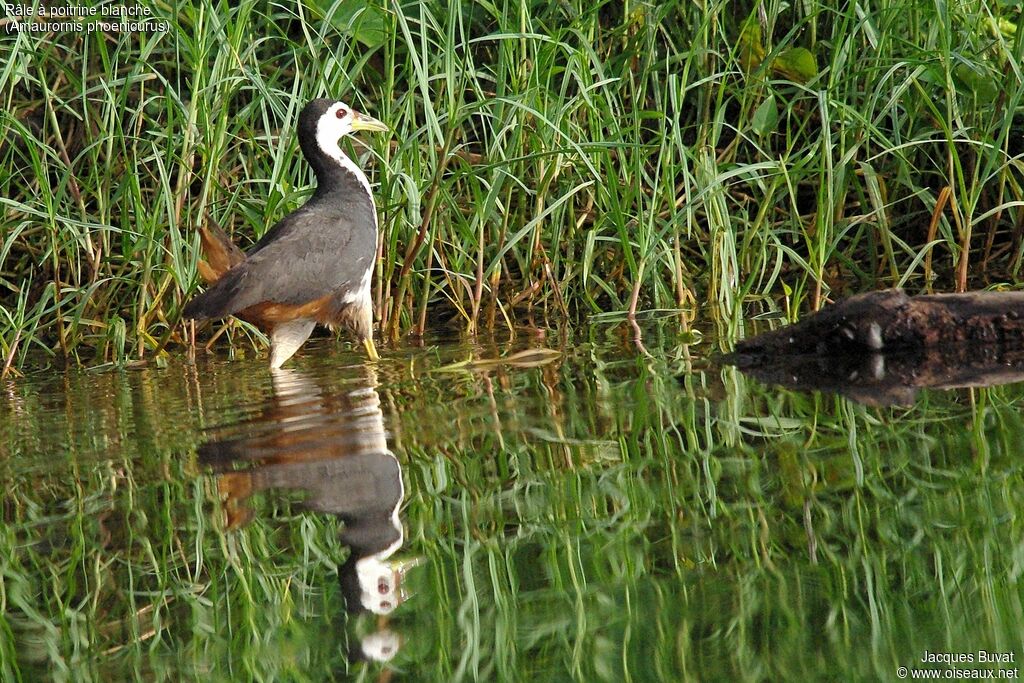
<point x="880" y="348"/>
<point x="891" y="320"/>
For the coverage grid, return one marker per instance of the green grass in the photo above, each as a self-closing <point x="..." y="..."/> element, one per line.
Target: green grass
<point x="548" y="161"/>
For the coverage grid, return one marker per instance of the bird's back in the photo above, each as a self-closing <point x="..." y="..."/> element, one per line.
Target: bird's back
<point x="323" y="249"/>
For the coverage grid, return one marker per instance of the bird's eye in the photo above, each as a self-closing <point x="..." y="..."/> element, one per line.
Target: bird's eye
<point x="341" y="113"/>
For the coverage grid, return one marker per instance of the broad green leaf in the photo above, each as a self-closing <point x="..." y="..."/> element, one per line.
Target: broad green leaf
<point x="766" y="118"/>
<point x="362" y="20"/>
<point x="977" y="81"/>
<point x="797" y="64"/>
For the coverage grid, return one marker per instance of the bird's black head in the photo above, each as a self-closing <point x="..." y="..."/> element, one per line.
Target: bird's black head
<point x="323" y="122"/>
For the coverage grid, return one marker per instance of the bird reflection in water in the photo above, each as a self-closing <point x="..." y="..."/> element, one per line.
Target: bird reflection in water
<point x="333" y="448"/>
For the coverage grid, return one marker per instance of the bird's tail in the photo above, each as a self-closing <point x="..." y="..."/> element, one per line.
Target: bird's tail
<point x="221" y="257"/>
<point x="218" y="300"/>
<point x="221" y="253"/>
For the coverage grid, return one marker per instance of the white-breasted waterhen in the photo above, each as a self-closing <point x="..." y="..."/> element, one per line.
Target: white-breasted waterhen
<point x="316" y="264"/>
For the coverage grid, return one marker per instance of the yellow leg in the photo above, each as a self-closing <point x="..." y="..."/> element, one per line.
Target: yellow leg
<point x="371" y="350"/>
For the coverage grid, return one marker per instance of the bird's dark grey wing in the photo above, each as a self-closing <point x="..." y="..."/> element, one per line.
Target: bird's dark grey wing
<point x="322" y="248"/>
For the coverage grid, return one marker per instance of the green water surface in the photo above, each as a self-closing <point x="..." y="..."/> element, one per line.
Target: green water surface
<point x="572" y="507"/>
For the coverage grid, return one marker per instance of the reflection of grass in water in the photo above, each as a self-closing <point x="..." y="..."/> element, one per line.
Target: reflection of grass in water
<point x="137" y="578"/>
<point x="591" y="519"/>
<point x="131" y="579"/>
<point x="701" y="562"/>
<point x="572" y="156"/>
<point x="132" y="574"/>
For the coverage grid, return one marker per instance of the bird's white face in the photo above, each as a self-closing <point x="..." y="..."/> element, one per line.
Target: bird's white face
<point x="381" y="584"/>
<point x="340" y="120"/>
<point x="336" y="122"/>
